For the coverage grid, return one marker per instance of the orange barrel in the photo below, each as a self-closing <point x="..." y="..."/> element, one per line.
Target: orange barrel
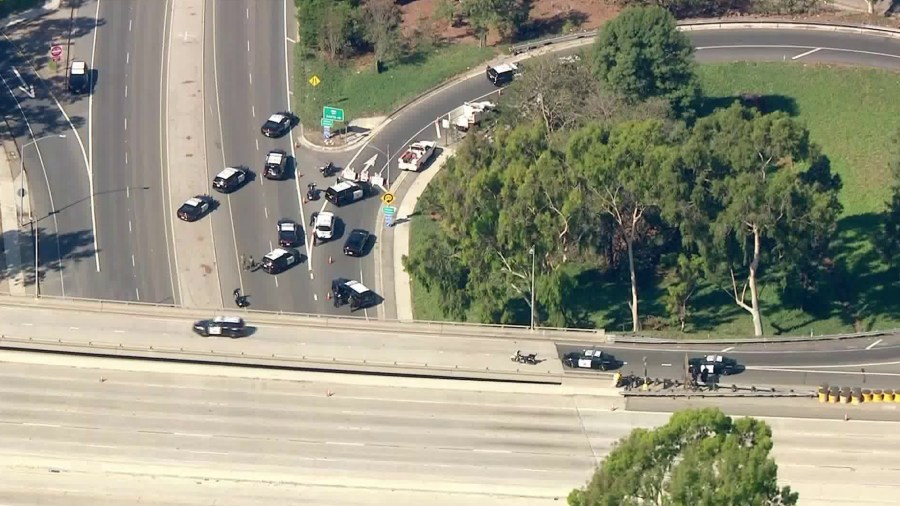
<point x="867" y="395"/>
<point x="877" y="395"/>
<point x="856" y="396"/>
<point x="823" y="393"/>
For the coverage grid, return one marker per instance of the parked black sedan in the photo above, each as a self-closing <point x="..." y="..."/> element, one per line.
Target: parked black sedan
<point x="278" y="124"/>
<point x="355" y="246"/>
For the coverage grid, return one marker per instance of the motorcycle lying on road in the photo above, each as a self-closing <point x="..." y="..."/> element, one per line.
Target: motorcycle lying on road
<point x="530" y="358"/>
<point x="328" y="170"/>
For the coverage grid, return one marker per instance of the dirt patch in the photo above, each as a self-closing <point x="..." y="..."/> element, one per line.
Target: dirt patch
<point x="548" y="17"/>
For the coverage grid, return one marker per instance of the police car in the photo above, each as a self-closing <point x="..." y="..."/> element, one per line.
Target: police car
<point x="345" y="192"/>
<point x="230" y="179"/>
<point x="288" y="233"/>
<point x="280" y="259"/>
<point x="590" y="359"/>
<point x="323" y="227"/>
<point x="712" y="364"/>
<point x="229" y="326"/>
<point x="278" y="124"/>
<point x="79" y="78"/>
<point x="195" y="208"/>
<point x="357" y="295"/>
<point x="276" y="165"/>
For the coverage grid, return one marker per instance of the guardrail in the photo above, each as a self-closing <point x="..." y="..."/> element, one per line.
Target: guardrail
<point x="276" y="361"/>
<point x="613" y="338"/>
<point x="445" y="329"/>
<point x="719" y="24"/>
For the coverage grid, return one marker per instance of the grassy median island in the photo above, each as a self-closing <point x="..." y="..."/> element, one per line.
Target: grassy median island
<point x="851" y="114"/>
<point x="355" y="86"/>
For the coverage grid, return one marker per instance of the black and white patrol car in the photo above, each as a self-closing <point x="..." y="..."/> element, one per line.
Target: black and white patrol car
<point x="345" y="192"/>
<point x="276" y="165"/>
<point x="289" y="233"/>
<point x="228" y="326"/>
<point x="712" y="364"/>
<point x="195" y="208"/>
<point x="590" y="359"/>
<point x="280" y="259"/>
<point x="357" y="295"/>
<point x="79" y="77"/>
<point x="278" y="124"/>
<point x="323" y="226"/>
<point x="355" y="246"/>
<point x="230" y="179"/>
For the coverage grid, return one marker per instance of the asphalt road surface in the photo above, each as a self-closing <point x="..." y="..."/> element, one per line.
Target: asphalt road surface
<point x="126" y="144"/>
<point x="87" y="431"/>
<point x="864" y="362"/>
<point x="58" y="178"/>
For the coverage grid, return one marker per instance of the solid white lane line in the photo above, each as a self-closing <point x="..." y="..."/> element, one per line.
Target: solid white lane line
<point x="876" y="343"/>
<point x="132" y="261"/>
<point x="287" y="88"/>
<point x="479" y="450"/>
<point x="801" y="55"/>
<point x="365" y="310"/>
<point x="726" y="350"/>
<point x="165" y="171"/>
<point x="343" y="443"/>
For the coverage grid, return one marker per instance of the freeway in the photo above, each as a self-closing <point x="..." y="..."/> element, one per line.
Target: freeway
<point x="126" y="146"/>
<point x="864" y="362"/>
<point x="99" y="431"/>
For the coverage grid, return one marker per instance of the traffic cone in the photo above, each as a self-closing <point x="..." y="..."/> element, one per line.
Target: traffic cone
<point x="305" y="201"/>
<point x="330" y="260"/>
<point x="327" y="295"/>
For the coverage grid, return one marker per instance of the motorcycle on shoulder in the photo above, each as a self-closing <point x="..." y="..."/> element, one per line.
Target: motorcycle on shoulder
<point x="530" y="358"/>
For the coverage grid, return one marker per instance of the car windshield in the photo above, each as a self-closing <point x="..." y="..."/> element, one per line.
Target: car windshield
<point x="324" y="228"/>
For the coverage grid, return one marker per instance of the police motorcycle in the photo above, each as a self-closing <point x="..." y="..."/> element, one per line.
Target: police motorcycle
<point x="530" y="358"/>
<point x="328" y="170"/>
<point x="312" y="192"/>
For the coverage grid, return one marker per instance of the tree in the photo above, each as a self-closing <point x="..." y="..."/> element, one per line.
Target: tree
<point x="888" y="238"/>
<point x="681" y="281"/>
<point x="447" y="10"/>
<point x="641" y="54"/>
<point x="504" y="15"/>
<point x="623" y="168"/>
<point x="335" y="29"/>
<point x="381" y="19"/>
<point x="750" y="181"/>
<point x="309" y="20"/>
<point x="699" y="458"/>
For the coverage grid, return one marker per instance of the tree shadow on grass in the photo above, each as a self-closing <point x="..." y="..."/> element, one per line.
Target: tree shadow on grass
<point x="763" y="103"/>
<point x="865" y="286"/>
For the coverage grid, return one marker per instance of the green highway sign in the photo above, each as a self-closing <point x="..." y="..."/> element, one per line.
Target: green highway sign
<point x="389" y="210"/>
<point x="333" y="113"/>
<point x="327" y="122"/>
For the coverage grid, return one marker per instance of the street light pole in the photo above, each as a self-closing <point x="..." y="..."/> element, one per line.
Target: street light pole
<point x="532" y="286"/>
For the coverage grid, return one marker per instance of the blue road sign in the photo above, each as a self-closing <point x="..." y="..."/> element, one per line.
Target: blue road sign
<point x="326" y="132"/>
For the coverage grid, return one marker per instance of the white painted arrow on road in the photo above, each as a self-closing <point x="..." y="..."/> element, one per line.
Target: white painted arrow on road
<point x="26" y="88"/>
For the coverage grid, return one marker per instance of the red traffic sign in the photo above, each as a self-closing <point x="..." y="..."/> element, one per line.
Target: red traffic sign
<point x="56" y="51"/>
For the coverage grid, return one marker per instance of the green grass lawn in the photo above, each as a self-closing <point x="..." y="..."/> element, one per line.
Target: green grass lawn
<point x="362" y="92"/>
<point x="851" y="113"/>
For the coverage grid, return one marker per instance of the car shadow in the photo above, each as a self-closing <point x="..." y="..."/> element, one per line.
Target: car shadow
<point x="93" y="79"/>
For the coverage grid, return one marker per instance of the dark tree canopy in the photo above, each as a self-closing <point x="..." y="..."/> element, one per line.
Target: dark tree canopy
<point x="700" y="458"/>
<point x="641" y="54"/>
